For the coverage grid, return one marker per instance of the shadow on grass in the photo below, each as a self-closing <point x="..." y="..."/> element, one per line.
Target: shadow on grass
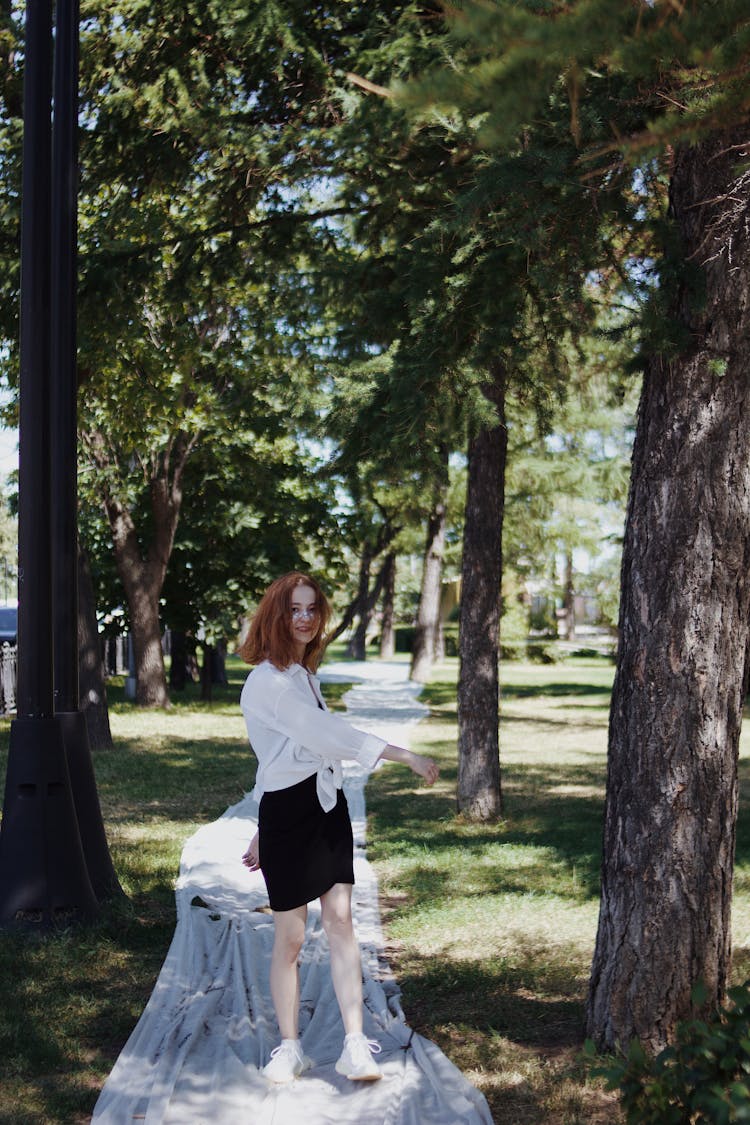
<point x="555" y="810"/>
<point x="544" y="723"/>
<point x="70" y="1000"/>
<point x="520" y="1023"/>
<point x="183" y="779"/>
<point x="512" y="997"/>
<point x="440" y="693"/>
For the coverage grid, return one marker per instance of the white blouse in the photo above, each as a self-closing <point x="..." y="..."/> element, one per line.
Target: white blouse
<point x="293" y="735"/>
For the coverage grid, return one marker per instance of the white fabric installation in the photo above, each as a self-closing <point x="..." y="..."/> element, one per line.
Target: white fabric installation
<point x="195" y="1055"/>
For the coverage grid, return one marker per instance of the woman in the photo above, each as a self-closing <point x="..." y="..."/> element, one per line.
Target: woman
<point x="304" y="844"/>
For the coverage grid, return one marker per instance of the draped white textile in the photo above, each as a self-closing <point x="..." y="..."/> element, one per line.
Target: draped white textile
<point x="195" y="1054"/>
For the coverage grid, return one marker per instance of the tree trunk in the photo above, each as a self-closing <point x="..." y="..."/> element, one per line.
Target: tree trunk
<point x="569" y="602"/>
<point x="354" y="608"/>
<point x="440" y="638"/>
<point x="479" y="795"/>
<point x="92" y="685"/>
<point x="428" y="613"/>
<point x="357" y="646"/>
<point x="671" y="802"/>
<point x="219" y="664"/>
<point x="145" y="629"/>
<point x="143" y="580"/>
<point x="207" y="677"/>
<point x="387" y="631"/>
<point x="142" y="572"/>
<point x="178" y="660"/>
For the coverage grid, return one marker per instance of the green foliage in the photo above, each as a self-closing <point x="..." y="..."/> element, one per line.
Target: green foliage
<point x="196" y="128"/>
<point x="702" y="1079"/>
<point x="566" y="489"/>
<point x="514" y="613"/>
<point x="630" y="81"/>
<point x="542" y="652"/>
<point x="683" y="65"/>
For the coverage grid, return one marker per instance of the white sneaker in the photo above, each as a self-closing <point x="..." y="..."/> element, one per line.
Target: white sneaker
<point x="356" y="1060"/>
<point x="287" y="1062"/>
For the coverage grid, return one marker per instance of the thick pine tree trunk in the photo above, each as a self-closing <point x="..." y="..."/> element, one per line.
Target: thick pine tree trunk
<point x="387" y="631"/>
<point x="671" y="803"/>
<point x="91" y="683"/>
<point x="428" y="613"/>
<point x="479" y="795"/>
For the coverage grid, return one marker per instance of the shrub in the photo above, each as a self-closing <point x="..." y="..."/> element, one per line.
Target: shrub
<point x="450" y="636"/>
<point x="702" y="1079"/>
<point x="539" y="652"/>
<point x="405" y="638"/>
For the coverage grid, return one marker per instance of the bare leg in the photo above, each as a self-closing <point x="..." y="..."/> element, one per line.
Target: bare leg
<point x="289" y="934"/>
<point x="346" y="964"/>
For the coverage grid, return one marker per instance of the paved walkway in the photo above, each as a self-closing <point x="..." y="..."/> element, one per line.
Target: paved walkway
<point x="195" y="1054"/>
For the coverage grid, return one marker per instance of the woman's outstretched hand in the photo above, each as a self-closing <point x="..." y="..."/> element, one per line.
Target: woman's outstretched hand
<point x="250" y="857"/>
<point x="422" y="765"/>
<point x="425" y="767"/>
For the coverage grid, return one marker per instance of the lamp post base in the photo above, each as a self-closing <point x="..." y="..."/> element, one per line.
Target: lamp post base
<point x="43" y="875"/>
<point x="104" y="881"/>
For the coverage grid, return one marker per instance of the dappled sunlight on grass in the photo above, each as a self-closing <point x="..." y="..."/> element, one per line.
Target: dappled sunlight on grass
<point x="489" y="927"/>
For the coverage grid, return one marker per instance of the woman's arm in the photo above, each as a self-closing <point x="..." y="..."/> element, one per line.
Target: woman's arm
<point x="422" y="765"/>
<point x="425" y="767"/>
<point x="283" y="709"/>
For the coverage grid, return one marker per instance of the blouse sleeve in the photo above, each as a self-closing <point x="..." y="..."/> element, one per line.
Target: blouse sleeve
<point x="323" y="734"/>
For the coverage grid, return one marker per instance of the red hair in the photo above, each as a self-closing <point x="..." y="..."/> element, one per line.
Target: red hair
<point x="270" y="634"/>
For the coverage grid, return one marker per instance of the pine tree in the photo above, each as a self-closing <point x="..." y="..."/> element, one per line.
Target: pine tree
<point x="670" y="82"/>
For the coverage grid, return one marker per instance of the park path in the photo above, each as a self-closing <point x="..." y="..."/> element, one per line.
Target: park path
<point x="194" y="1056"/>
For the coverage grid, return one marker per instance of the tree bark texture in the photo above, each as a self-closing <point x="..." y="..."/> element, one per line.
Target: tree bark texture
<point x="142" y="571"/>
<point x="569" y="598"/>
<point x="671" y="804"/>
<point x="91" y="681"/>
<point x="357" y="647"/>
<point x="479" y="793"/>
<point x="207" y="678"/>
<point x="428" y="612"/>
<point x="387" y="631"/>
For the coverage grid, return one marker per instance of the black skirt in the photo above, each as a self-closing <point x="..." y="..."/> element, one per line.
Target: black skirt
<point x="303" y="850"/>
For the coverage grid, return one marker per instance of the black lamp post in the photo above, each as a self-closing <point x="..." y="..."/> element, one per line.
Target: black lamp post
<point x="44" y="875"/>
<point x="63" y="445"/>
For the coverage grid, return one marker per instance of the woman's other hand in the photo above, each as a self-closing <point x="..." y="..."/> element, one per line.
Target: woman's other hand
<point x="250" y="858"/>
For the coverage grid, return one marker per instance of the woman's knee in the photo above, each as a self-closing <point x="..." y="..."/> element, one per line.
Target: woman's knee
<point x="289" y="937"/>
<point x="336" y="915"/>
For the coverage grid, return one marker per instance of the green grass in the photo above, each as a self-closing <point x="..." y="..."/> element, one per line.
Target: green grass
<point x="489" y="928"/>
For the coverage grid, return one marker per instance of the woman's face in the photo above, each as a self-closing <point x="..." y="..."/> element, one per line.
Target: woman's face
<point x="304" y="615"/>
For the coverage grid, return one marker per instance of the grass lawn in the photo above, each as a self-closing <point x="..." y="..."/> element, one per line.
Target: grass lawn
<point x="490" y="928"/>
